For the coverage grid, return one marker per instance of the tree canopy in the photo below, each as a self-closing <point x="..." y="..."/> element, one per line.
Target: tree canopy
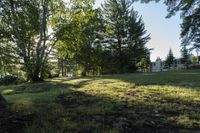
<point x="169" y="60"/>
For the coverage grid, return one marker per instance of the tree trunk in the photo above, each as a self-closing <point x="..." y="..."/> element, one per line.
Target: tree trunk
<point x="36" y="78"/>
<point x="120" y="54"/>
<point x="197" y="56"/>
<point x="62" y="67"/>
<point x="3" y="102"/>
<point x="84" y="73"/>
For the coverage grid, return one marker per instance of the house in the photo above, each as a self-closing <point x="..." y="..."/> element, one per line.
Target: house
<point x="157" y="66"/>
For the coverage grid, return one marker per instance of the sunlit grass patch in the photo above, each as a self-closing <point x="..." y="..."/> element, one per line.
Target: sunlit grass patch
<point x="7" y="91"/>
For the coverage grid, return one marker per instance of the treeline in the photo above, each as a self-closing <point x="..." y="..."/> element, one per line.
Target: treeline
<point x="41" y="39"/>
<point x="102" y="41"/>
<point x="84" y="40"/>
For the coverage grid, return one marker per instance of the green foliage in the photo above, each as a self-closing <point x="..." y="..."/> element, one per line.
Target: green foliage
<point x="185" y="56"/>
<point x="9" y="63"/>
<point x="190" y="29"/>
<point x="10" y="80"/>
<point x="89" y="44"/>
<point x="194" y="60"/>
<point x="79" y="33"/>
<point x="125" y="34"/>
<point x="144" y="64"/>
<point x="169" y="60"/>
<point x="76" y="46"/>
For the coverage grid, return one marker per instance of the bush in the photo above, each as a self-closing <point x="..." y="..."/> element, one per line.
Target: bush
<point x="194" y="66"/>
<point x="9" y="80"/>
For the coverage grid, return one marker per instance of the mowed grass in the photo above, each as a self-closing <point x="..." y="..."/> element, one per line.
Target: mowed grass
<point x="128" y="103"/>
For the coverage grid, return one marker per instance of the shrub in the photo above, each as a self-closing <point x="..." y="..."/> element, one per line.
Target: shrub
<point x="197" y="66"/>
<point x="9" y="80"/>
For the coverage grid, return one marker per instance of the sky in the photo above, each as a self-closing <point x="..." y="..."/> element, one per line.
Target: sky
<point x="165" y="33"/>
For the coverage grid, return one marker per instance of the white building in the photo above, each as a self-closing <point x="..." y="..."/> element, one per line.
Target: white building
<point x="157" y="66"/>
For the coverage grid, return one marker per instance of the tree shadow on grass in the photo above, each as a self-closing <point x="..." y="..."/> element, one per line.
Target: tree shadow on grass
<point x="78" y="112"/>
<point x="156" y="112"/>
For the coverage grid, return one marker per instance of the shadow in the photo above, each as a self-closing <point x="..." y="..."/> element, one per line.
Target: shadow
<point x="79" y="112"/>
<point x="156" y="112"/>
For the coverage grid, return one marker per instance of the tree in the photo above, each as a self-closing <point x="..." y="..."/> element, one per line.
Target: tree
<point x="190" y="33"/>
<point x="26" y="24"/>
<point x="8" y="59"/>
<point x="144" y="64"/>
<point x="138" y="37"/>
<point x="115" y="15"/>
<point x="78" y="45"/>
<point x="169" y="60"/>
<point x="185" y="57"/>
<point x="194" y="60"/>
<point x="124" y="33"/>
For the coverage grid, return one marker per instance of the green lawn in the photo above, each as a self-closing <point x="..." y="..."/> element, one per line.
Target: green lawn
<point x="151" y="102"/>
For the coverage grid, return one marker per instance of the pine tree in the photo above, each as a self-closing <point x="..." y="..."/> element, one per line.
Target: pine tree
<point x="125" y="33"/>
<point x="115" y="15"/>
<point x="185" y="57"/>
<point x="138" y="38"/>
<point x="169" y="60"/>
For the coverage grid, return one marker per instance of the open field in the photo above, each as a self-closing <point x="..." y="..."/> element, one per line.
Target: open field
<point x="151" y="102"/>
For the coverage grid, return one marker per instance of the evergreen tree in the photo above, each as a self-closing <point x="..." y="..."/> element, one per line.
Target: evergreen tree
<point x="125" y="33"/>
<point x="115" y="15"/>
<point x="185" y="56"/>
<point x="169" y="60"/>
<point x="138" y="38"/>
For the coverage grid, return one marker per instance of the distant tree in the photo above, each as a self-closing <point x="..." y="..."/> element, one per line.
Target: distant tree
<point x="144" y="64"/>
<point x="185" y="56"/>
<point x="194" y="60"/>
<point x="169" y="60"/>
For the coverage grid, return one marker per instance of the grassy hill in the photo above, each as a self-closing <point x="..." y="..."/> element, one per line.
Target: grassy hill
<point x="150" y="102"/>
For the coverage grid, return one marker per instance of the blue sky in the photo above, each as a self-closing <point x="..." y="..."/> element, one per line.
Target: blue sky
<point x="165" y="33"/>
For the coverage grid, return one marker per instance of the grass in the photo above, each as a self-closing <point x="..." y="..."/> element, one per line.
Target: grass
<point x="150" y="102"/>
